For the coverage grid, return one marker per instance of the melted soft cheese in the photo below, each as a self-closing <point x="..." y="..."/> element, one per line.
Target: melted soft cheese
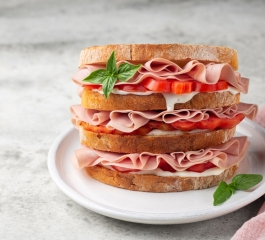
<point x="156" y="132"/>
<point x="159" y="172"/>
<point x="172" y="98"/>
<point x="117" y="91"/>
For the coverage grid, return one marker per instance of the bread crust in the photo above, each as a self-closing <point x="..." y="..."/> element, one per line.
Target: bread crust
<point x="178" y="53"/>
<point x="154" y="144"/>
<point x="155" y="101"/>
<point x="153" y="183"/>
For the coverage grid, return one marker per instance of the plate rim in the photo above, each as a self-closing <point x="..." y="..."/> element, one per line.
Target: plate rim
<point x="138" y="217"/>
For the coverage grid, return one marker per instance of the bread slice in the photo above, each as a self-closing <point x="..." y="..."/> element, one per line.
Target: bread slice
<point x="155" y="101"/>
<point x="154" y="144"/>
<point x="178" y="53"/>
<point x="153" y="183"/>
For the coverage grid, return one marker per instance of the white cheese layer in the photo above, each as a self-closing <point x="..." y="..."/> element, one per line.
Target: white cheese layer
<point x="159" y="172"/>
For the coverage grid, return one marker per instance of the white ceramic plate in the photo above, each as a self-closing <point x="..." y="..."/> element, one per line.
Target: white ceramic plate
<point x="152" y="208"/>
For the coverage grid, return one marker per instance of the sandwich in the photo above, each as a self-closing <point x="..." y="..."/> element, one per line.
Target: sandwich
<point x="160" y="117"/>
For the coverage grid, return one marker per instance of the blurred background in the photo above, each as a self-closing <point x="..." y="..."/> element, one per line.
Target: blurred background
<point x="40" y="43"/>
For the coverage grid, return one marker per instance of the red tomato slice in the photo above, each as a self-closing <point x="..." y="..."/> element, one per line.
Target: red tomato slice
<point x="232" y="122"/>
<point x="179" y="87"/>
<point x="213" y="122"/>
<point x="165" y="166"/>
<point x="196" y="168"/>
<point x="91" y="87"/>
<point x="140" y="131"/>
<point x="201" y="167"/>
<point x="184" y="125"/>
<point x="160" y="125"/>
<point x="99" y="129"/>
<point x="202" y="87"/>
<point x="157" y="85"/>
<point x="131" y="88"/>
<point x="174" y="86"/>
<point x="102" y="129"/>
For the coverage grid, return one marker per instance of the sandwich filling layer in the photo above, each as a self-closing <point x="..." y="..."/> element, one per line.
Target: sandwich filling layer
<point x="143" y="122"/>
<point x="222" y="156"/>
<point x="160" y="69"/>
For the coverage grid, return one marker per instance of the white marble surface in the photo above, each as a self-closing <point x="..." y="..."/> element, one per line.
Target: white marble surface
<point x="39" y="49"/>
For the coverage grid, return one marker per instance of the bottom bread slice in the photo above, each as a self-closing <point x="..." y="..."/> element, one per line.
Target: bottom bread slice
<point x="153" y="183"/>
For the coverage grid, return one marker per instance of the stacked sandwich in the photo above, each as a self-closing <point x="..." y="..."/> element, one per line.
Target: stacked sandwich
<point x="160" y="117"/>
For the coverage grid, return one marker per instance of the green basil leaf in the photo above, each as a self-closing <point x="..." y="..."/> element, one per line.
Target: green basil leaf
<point x="96" y="76"/>
<point x="109" y="76"/>
<point x="108" y="84"/>
<point x="111" y="66"/>
<point x="231" y="187"/>
<point x="126" y="71"/>
<point x="222" y="193"/>
<point x="246" y="181"/>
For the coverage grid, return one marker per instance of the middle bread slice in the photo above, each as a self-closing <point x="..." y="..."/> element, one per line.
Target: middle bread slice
<point x="180" y="142"/>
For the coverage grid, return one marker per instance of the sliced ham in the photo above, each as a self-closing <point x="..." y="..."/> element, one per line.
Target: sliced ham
<point x="128" y="121"/>
<point x="223" y="156"/>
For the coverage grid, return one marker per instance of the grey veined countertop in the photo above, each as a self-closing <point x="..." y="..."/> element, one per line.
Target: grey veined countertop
<point x="39" y="52"/>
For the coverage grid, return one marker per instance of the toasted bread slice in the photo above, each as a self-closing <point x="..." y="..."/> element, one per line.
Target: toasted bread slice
<point x="155" y="101"/>
<point x="154" y="143"/>
<point x="153" y="183"/>
<point x="178" y="53"/>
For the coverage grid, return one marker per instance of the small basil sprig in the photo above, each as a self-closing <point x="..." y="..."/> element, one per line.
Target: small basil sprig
<point x="240" y="182"/>
<point x="109" y="76"/>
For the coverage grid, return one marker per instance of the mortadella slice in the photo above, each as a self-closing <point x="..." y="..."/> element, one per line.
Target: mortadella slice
<point x="223" y="156"/>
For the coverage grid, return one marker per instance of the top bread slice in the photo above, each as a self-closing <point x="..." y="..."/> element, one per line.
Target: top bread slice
<point x="178" y="53"/>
